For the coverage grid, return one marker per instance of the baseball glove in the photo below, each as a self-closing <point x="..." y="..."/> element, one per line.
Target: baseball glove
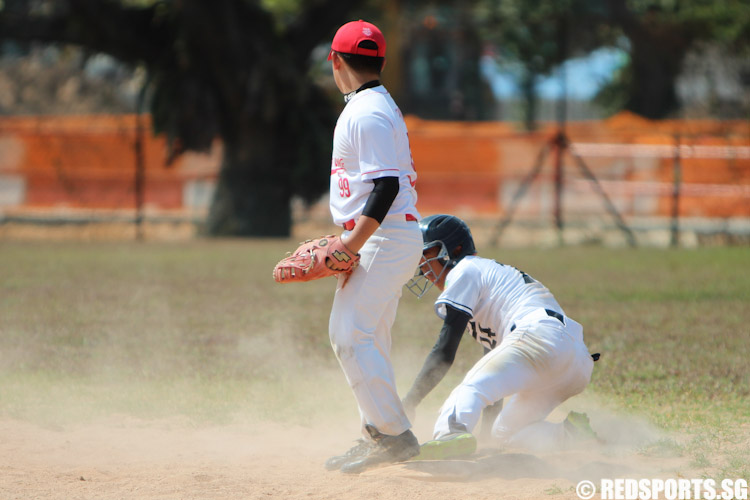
<point x="315" y="259"/>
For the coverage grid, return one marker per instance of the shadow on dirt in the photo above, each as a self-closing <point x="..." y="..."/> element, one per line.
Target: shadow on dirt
<point x="510" y="466"/>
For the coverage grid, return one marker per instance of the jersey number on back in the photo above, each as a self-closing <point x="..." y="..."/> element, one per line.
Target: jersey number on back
<point x="526" y="278"/>
<point x="344" y="187"/>
<point x="485" y="336"/>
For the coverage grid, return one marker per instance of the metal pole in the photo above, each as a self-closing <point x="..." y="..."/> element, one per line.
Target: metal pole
<point x="607" y="202"/>
<point x="677" y="181"/>
<point x="140" y="170"/>
<point x="538" y="165"/>
<point x="560" y="144"/>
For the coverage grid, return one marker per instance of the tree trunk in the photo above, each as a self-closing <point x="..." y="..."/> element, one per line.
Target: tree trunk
<point x="528" y="90"/>
<point x="658" y="47"/>
<point x="655" y="68"/>
<point x="249" y="200"/>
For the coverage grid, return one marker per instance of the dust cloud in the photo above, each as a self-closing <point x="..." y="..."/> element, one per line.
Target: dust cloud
<point x="239" y="417"/>
<point x="259" y="454"/>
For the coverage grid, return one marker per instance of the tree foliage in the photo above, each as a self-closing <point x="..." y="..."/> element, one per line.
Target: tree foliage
<point x="227" y="69"/>
<point x="657" y="34"/>
<point x="660" y="33"/>
<point x="541" y="35"/>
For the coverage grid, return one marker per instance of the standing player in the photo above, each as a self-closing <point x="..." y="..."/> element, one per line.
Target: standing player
<point x="373" y="198"/>
<point x="535" y="357"/>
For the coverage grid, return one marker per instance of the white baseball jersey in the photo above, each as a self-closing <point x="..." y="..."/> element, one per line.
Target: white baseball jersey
<point x="495" y="295"/>
<point x="370" y="141"/>
<point x="537" y="357"/>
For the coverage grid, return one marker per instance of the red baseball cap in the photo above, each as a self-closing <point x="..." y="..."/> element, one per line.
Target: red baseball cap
<point x="349" y="36"/>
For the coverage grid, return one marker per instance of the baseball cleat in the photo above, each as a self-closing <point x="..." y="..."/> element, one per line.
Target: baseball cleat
<point x="577" y="426"/>
<point x="356" y="452"/>
<point x="387" y="449"/>
<point x="451" y="446"/>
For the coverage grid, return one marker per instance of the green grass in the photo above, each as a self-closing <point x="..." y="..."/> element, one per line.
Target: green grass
<point x="201" y="330"/>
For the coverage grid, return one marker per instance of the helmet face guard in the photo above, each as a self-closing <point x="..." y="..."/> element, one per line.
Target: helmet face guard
<point x="423" y="279"/>
<point x="453" y="238"/>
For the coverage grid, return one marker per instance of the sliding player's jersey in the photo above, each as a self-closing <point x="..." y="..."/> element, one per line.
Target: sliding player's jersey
<point x="498" y="297"/>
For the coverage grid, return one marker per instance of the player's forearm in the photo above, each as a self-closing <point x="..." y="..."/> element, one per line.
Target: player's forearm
<point x="433" y="371"/>
<point x="364" y="228"/>
<point x="440" y="358"/>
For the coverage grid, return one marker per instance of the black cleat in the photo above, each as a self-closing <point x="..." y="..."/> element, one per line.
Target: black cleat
<point x="358" y="451"/>
<point x="386" y="449"/>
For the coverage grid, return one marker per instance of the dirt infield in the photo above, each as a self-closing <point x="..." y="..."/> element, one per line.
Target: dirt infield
<point x="170" y="371"/>
<point x="124" y="458"/>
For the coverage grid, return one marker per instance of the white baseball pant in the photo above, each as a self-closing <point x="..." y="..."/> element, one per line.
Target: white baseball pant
<point x="362" y="315"/>
<point x="535" y="368"/>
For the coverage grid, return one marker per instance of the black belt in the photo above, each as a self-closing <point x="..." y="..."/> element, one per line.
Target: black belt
<point x="551" y="314"/>
<point x="561" y="319"/>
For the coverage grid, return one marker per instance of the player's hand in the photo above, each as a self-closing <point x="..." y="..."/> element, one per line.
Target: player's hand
<point x="344" y="276"/>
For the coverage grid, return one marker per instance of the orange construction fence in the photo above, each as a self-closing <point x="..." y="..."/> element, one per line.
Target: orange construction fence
<point x="89" y="162"/>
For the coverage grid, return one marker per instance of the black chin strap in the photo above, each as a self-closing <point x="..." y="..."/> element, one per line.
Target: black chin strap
<point x="365" y="86"/>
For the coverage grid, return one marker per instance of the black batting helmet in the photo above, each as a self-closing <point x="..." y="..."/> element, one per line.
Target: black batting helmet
<point x="453" y="238"/>
<point x="450" y="232"/>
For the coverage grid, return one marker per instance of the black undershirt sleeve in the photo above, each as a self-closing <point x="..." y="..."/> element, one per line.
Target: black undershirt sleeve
<point x="381" y="198"/>
<point x="441" y="357"/>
